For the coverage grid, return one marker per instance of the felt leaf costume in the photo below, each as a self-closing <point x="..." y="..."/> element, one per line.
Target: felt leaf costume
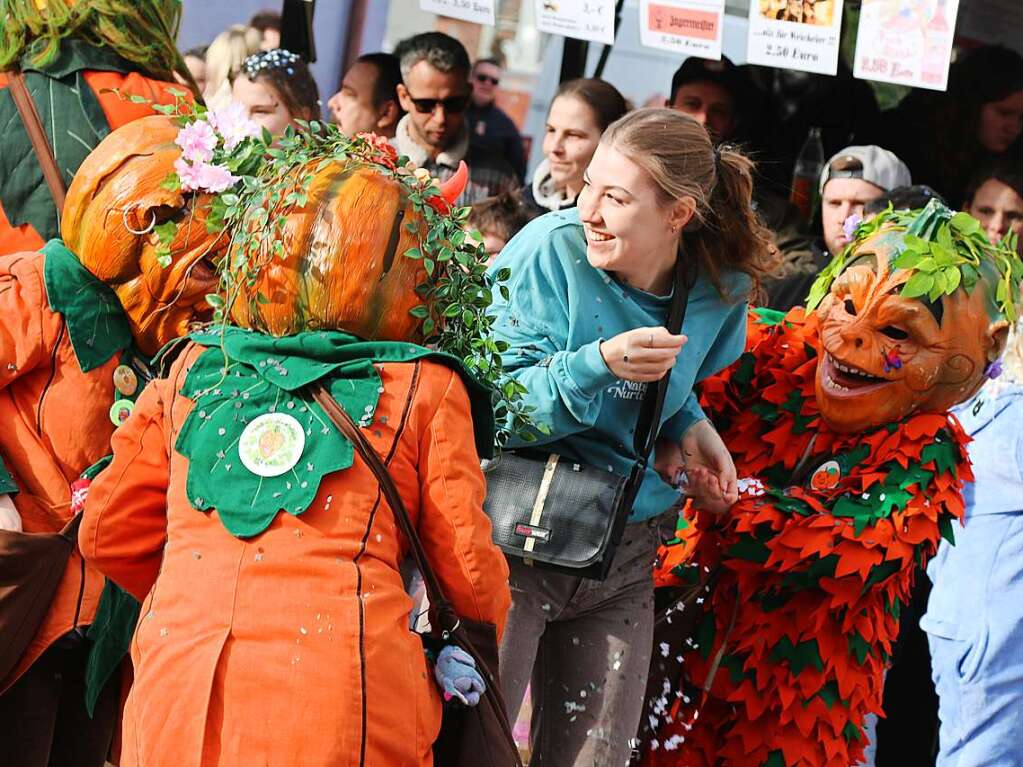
<point x="819" y="572"/>
<point x="851" y="472"/>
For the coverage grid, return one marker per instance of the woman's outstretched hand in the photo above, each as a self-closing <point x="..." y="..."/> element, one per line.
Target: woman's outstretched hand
<point x="710" y="471"/>
<point x="642" y="355"/>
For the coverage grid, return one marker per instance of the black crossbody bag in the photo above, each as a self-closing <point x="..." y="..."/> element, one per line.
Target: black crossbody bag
<point x="557" y="514"/>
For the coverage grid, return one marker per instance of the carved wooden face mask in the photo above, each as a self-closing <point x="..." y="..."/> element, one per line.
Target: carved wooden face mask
<point x="884" y="356"/>
<point x="112" y="208"/>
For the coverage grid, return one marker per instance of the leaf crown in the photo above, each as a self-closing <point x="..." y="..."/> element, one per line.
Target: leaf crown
<point x="943" y="251"/>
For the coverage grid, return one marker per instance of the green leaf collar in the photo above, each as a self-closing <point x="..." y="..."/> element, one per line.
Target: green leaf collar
<point x="257" y="443"/>
<point x="95" y="318"/>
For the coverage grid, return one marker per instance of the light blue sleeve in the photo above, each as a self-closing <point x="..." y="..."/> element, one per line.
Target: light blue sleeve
<point x="564" y="386"/>
<point x="728" y="345"/>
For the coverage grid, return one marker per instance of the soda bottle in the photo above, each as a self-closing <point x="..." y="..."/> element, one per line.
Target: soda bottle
<point x="807" y="173"/>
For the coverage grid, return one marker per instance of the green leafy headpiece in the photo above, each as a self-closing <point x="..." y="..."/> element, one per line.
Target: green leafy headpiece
<point x="943" y="251"/>
<point x="142" y="31"/>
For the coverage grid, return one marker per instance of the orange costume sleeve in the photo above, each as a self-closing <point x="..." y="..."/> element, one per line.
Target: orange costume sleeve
<point x="454" y="530"/>
<point x="124" y="525"/>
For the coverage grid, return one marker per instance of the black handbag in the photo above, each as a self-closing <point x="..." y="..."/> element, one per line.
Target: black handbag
<point x="562" y="515"/>
<point x="477" y="736"/>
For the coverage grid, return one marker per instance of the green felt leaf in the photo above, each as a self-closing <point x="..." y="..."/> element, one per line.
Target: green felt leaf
<point x="946" y="529"/>
<point x="851" y="732"/>
<point x="776" y="759"/>
<point x="881" y="572"/>
<point x="810" y="577"/>
<point x="944" y="454"/>
<point x="829" y="694"/>
<point x="769" y="317"/>
<point x="705" y="634"/>
<point x="859" y="648"/>
<point x="799" y="656"/>
<point x="749" y="549"/>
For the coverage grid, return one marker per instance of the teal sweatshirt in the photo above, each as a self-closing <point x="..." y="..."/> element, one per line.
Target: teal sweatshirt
<point x="558" y="311"/>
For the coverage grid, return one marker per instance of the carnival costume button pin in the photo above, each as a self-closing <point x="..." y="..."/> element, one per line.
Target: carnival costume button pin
<point x="125" y="380"/>
<point x="272" y="444"/>
<point x="120" y="411"/>
<point x="826" y="476"/>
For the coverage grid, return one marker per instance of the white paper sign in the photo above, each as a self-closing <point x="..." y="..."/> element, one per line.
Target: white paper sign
<point x="688" y="27"/>
<point x="477" y="11"/>
<point x="592" y="20"/>
<point x="908" y="42"/>
<point x="795" y="34"/>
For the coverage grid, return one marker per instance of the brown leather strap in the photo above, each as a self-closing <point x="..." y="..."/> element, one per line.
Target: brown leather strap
<point x="441" y="610"/>
<point x="37" y="135"/>
<point x="438" y="602"/>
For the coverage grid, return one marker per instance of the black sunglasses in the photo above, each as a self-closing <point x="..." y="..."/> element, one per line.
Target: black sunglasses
<point x="482" y="78"/>
<point x="452" y="104"/>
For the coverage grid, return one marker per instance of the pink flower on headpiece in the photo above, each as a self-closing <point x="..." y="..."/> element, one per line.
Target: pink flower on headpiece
<point x="197" y="141"/>
<point x="188" y="175"/>
<point x="851" y="224"/>
<point x="233" y="123"/>
<point x="387" y="155"/>
<point x="215" y="178"/>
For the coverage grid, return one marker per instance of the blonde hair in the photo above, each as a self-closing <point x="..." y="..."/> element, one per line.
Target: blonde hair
<point x="227" y="53"/>
<point x="725" y="234"/>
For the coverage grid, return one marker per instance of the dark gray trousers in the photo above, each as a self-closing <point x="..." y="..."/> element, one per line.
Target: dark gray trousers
<point x="585" y="646"/>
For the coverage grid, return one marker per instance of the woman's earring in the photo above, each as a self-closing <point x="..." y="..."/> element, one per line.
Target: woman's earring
<point x="147" y="230"/>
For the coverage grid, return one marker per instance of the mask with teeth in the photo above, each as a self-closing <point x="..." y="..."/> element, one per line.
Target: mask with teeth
<point x="112" y="209"/>
<point x="943" y="346"/>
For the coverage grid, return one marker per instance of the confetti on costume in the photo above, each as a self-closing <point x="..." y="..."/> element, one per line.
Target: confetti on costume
<point x="861" y="471"/>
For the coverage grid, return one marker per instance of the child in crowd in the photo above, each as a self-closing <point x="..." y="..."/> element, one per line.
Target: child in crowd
<point x="498" y="219"/>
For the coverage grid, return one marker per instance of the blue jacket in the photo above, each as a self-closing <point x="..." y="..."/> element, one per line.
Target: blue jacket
<point x="974" y="617"/>
<point x="560" y="309"/>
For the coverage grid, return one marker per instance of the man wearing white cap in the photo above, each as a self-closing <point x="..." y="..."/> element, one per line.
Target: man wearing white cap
<point x="850" y="179"/>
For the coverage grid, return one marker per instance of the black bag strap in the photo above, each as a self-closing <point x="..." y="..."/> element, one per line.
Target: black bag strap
<point x="653" y="401"/>
<point x="37" y="135"/>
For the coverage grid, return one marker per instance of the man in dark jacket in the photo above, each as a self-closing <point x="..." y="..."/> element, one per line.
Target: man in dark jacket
<point x="490" y="126"/>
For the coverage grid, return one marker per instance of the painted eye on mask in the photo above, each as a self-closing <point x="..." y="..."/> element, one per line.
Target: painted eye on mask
<point x="850" y="307"/>
<point x="895" y="333"/>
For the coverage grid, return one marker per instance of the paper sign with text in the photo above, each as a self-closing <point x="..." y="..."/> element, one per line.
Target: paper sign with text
<point x="795" y="34"/>
<point x="687" y="27"/>
<point x="908" y="42"/>
<point x="592" y="20"/>
<point x="478" y="11"/>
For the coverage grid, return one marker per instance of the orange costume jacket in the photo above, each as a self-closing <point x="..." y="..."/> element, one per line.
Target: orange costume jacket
<point x="291" y="646"/>
<point x="77" y="104"/>
<point x="56" y="319"/>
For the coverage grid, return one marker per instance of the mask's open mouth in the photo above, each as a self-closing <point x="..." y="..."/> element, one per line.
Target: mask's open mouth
<point x="841" y="379"/>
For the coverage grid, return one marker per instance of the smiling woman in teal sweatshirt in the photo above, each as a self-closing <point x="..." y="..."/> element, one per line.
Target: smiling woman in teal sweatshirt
<point x="560" y="309"/>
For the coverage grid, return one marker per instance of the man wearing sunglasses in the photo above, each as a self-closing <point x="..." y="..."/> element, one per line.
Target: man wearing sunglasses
<point x="436" y="93"/>
<point x="489" y="125"/>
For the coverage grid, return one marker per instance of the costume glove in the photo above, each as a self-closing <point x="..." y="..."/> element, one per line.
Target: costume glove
<point x="456" y="674"/>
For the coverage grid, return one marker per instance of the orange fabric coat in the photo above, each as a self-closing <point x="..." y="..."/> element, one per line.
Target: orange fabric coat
<point x="117" y="111"/>
<point x="292" y="647"/>
<point x="56" y="423"/>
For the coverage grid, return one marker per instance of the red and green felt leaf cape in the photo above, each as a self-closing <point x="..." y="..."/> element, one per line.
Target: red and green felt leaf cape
<point x="811" y="579"/>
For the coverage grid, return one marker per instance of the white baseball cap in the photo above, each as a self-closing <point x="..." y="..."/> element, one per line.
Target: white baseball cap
<point x="870" y="163"/>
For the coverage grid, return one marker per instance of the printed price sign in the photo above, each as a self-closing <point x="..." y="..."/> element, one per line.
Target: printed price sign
<point x="478" y="11"/>
<point x="906" y="42"/>
<point x="795" y="34"/>
<point x="592" y="20"/>
<point x="688" y="27"/>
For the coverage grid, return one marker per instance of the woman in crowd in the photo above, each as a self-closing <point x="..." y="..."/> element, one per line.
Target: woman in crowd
<point x="195" y="60"/>
<point x="584" y="321"/>
<point x="225" y="56"/>
<point x="580" y="112"/>
<point x="944" y="137"/>
<point x="277" y="89"/>
<point x="995" y="198"/>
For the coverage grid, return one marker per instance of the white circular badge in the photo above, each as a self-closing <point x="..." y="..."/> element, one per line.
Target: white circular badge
<point x="271" y="444"/>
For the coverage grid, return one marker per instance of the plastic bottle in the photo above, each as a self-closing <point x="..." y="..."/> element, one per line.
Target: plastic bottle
<point x="807" y="173"/>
